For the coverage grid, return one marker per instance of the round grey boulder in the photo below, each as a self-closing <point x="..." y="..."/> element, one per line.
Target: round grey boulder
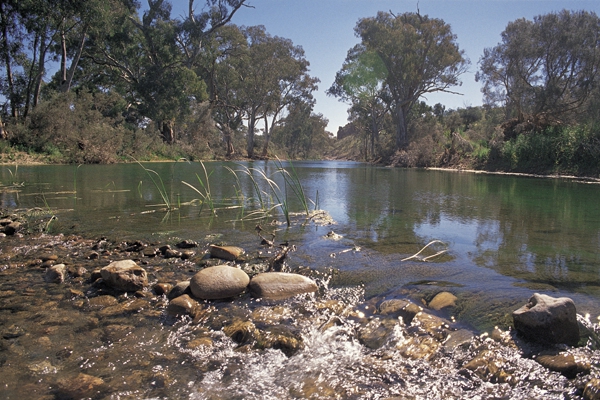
<point x="125" y="275"/>
<point x="548" y="320"/>
<point x="280" y="285"/>
<point x="219" y="282"/>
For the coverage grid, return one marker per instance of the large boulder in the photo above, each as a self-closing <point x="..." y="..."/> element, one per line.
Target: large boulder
<point x="125" y="275"/>
<point x="280" y="285"/>
<point x="548" y="320"/>
<point x="219" y="282"/>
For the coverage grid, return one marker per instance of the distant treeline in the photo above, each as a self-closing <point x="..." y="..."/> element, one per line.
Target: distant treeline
<point x="101" y="81"/>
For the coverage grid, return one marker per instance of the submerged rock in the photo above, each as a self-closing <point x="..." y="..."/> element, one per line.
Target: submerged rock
<point x="219" y="282"/>
<point x="442" y="300"/>
<point x="564" y="363"/>
<point x="548" y="320"/>
<point x="56" y="273"/>
<point x="400" y="308"/>
<point x="229" y="253"/>
<point x="280" y="285"/>
<point x="80" y="386"/>
<point x="125" y="275"/>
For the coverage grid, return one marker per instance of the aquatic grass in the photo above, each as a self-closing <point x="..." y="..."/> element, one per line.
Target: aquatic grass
<point x="292" y="179"/>
<point x="205" y="193"/>
<point x="158" y="183"/>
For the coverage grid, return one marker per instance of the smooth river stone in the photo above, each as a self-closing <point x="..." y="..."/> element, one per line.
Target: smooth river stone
<point x="125" y="275"/>
<point x="229" y="253"/>
<point x="280" y="285"/>
<point x="219" y="282"/>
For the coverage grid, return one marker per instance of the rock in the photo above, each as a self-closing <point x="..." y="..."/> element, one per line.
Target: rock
<point x="80" y="387"/>
<point x="181" y="306"/>
<point x="150" y="252"/>
<point x="162" y="288"/>
<point x="562" y="362"/>
<point x="56" y="273"/>
<point x="125" y="275"/>
<point x="219" y="282"/>
<point x="376" y="332"/>
<point x="547" y="319"/>
<point x="280" y="285"/>
<point x="280" y="338"/>
<point x="12" y="228"/>
<point x="100" y="302"/>
<point x="442" y="300"/>
<point x="400" y="308"/>
<point x="241" y="332"/>
<point x="179" y="289"/>
<point x="592" y="390"/>
<point x="186" y="244"/>
<point x="229" y="253"/>
<point x="170" y="253"/>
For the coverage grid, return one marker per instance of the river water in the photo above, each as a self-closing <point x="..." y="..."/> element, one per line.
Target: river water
<point x="501" y="238"/>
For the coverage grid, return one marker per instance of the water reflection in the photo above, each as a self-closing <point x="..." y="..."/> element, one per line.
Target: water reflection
<point x="513" y="231"/>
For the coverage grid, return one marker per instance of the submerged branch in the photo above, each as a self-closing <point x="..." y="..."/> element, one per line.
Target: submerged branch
<point x="416" y="255"/>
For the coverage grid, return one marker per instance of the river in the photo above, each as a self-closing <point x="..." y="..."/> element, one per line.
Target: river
<point x="500" y="239"/>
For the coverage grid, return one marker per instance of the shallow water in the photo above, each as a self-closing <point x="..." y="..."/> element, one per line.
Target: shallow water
<point x="506" y="237"/>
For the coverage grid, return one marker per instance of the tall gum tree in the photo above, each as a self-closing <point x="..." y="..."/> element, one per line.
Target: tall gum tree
<point x="420" y="55"/>
<point x="544" y="70"/>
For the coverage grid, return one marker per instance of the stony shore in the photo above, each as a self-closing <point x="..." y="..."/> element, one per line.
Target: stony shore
<point x="56" y="287"/>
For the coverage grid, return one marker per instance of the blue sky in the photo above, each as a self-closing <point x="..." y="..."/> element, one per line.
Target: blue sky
<point x="325" y="30"/>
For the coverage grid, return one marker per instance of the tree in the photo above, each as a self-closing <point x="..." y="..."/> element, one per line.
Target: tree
<point x="546" y="69"/>
<point x="420" y="55"/>
<point x="360" y="83"/>
<point x="274" y="74"/>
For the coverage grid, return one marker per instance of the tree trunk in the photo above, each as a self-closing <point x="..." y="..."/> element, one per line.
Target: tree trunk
<point x="9" y="76"/>
<point x="40" y="71"/>
<point x="265" y="149"/>
<point x="167" y="132"/>
<point x="68" y="74"/>
<point x="250" y="136"/>
<point x="228" y="141"/>
<point x="401" y="128"/>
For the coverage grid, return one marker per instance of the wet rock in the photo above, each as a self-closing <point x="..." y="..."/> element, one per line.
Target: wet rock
<point x="548" y="320"/>
<point x="76" y="272"/>
<point x="48" y="257"/>
<point x="564" y="363"/>
<point x="280" y="338"/>
<point x="229" y="253"/>
<point x="376" y="332"/>
<point x="162" y="288"/>
<point x="171" y="253"/>
<point x="419" y="347"/>
<point x="12" y="228"/>
<point x="182" y="306"/>
<point x="94" y="255"/>
<point x="399" y="308"/>
<point x="127" y="307"/>
<point x="56" y="273"/>
<point x="432" y="325"/>
<point x="489" y="366"/>
<point x="186" y="244"/>
<point x="103" y="301"/>
<point x="592" y="390"/>
<point x="125" y="275"/>
<point x="219" y="282"/>
<point x="82" y="386"/>
<point x="179" y="289"/>
<point x="199" y="342"/>
<point x="241" y="332"/>
<point x="48" y="263"/>
<point x="280" y="285"/>
<point x="187" y="254"/>
<point x="442" y="300"/>
<point x="150" y="252"/>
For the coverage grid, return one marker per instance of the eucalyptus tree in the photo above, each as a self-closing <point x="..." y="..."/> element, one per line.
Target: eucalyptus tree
<point x="420" y="55"/>
<point x="545" y="69"/>
<point x="156" y="59"/>
<point x="275" y="74"/>
<point x="360" y="84"/>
